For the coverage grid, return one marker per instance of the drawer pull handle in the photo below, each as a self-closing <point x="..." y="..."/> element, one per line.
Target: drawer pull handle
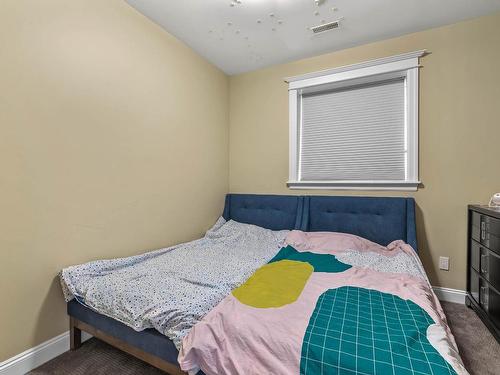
<point x="484" y="263"/>
<point x="483" y="297"/>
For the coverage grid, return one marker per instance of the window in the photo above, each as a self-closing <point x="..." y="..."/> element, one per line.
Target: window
<point x="356" y="127"/>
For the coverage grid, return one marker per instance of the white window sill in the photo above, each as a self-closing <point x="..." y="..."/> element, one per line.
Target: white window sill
<point x="355" y="185"/>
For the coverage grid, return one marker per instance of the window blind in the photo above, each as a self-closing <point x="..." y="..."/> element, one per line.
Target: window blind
<point x="354" y="134"/>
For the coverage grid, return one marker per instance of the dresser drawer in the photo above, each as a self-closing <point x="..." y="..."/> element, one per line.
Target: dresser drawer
<point x="476" y="219"/>
<point x="490" y="241"/>
<point x="474" y="285"/>
<point x="486" y="230"/>
<point x="475" y="255"/>
<point x="486" y="296"/>
<point x="487" y="223"/>
<point x="489" y="300"/>
<point x="491" y="225"/>
<point x="475" y="232"/>
<point x="489" y="264"/>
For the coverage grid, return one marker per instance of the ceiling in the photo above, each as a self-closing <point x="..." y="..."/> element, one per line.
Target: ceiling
<point x="244" y="35"/>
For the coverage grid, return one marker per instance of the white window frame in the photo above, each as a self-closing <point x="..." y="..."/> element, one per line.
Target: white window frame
<point x="400" y="66"/>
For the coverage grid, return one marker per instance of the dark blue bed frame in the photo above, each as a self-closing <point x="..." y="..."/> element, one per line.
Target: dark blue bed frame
<point x="379" y="219"/>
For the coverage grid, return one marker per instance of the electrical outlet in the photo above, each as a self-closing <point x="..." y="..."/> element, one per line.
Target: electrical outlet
<point x="444" y="263"/>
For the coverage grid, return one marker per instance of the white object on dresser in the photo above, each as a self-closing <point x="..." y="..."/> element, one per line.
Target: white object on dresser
<point x="494" y="200"/>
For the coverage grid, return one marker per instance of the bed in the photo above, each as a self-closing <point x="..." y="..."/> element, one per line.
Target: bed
<point x="378" y="219"/>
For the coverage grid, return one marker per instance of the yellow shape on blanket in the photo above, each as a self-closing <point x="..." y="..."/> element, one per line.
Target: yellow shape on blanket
<point x="275" y="284"/>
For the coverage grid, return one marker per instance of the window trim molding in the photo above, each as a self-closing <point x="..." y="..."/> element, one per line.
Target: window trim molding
<point x="404" y="65"/>
<point x="354" y="185"/>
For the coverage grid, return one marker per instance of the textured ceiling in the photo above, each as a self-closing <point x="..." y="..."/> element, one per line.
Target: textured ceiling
<point x="244" y="35"/>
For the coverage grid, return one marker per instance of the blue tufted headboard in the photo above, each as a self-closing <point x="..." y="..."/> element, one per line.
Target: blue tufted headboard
<point x="381" y="220"/>
<point x="274" y="212"/>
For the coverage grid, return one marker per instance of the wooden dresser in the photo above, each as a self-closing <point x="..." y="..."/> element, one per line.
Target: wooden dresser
<point x="483" y="265"/>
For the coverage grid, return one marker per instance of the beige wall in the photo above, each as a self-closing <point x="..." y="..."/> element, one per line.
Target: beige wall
<point x="459" y="131"/>
<point x="113" y="140"/>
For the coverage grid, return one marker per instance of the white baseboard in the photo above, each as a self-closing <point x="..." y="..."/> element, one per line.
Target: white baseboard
<point x="37" y="356"/>
<point x="450" y="295"/>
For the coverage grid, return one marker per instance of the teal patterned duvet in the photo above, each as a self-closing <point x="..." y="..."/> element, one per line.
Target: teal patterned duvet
<point x="364" y="331"/>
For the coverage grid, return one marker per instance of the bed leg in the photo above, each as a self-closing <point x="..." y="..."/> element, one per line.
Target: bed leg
<point x="75" y="335"/>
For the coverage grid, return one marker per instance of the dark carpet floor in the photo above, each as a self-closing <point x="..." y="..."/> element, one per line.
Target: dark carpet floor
<point x="479" y="350"/>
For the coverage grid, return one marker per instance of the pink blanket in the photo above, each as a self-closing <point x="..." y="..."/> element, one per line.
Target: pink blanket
<point x="267" y="325"/>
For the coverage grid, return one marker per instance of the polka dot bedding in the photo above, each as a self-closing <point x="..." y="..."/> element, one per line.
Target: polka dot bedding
<point x="172" y="289"/>
<point x="400" y="263"/>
